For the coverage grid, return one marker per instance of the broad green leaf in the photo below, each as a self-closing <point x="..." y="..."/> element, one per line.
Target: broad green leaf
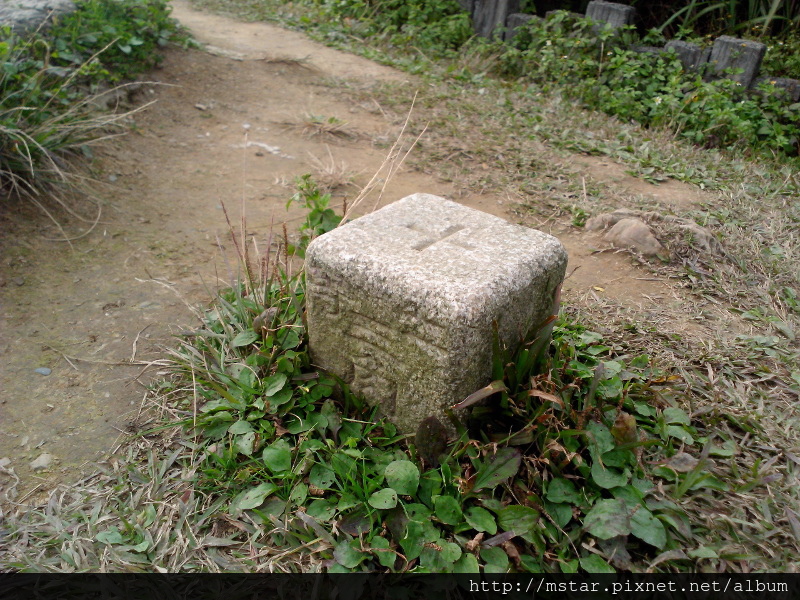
<point x="466" y="564"/>
<point x="563" y="491"/>
<point x="348" y="554"/>
<point x="703" y="552"/>
<point x="244" y="338"/>
<point x="244" y="443"/>
<point x="595" y="564"/>
<point x="417" y="512"/>
<point x="675" y="416"/>
<point x="448" y="510"/>
<point x="619" y="458"/>
<point x="608" y="478"/>
<point x="414" y="539"/>
<point x="252" y="498"/>
<point x="403" y="477"/>
<point x="680" y="433"/>
<point x="481" y="519"/>
<point x="648" y="528"/>
<point x="497" y="469"/>
<point x="495" y="559"/>
<point x="274" y="383"/>
<point x="569" y="566"/>
<point x="321" y="510"/>
<point x="560" y="513"/>
<point x="440" y="556"/>
<point x="321" y="477"/>
<point x="381" y="549"/>
<point x="297" y="425"/>
<point x="600" y="438"/>
<point x="607" y="519"/>
<point x="521" y="520"/>
<point x="332" y="416"/>
<point x="383" y="499"/>
<point x="298" y="495"/>
<point x="277" y="458"/>
<point x="346" y="502"/>
<point x="110" y="536"/>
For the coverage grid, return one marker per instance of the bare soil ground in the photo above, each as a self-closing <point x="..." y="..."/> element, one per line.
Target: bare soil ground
<point x="232" y="124"/>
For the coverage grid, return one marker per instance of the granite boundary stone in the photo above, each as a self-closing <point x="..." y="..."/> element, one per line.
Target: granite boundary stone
<point x="734" y="53"/>
<point x="514" y="22"/>
<point x="402" y="303"/>
<point x="689" y="54"/>
<point x="489" y="16"/>
<point x="612" y="13"/>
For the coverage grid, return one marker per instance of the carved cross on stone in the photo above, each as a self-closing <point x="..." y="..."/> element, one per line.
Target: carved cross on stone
<point x="432" y="237"/>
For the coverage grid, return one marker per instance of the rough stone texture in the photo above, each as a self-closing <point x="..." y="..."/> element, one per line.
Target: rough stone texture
<point x="401" y="302"/>
<point x="25" y="15"/>
<point x="654" y="50"/>
<point x="467" y="5"/>
<point x="732" y="53"/>
<point x="489" y="16"/>
<point x="782" y="85"/>
<point x="616" y="15"/>
<point x="514" y="22"/>
<point x="690" y="55"/>
<point x="634" y="234"/>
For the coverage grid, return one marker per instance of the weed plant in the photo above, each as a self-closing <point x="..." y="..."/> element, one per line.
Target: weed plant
<point x="49" y="78"/>
<point x="554" y="472"/>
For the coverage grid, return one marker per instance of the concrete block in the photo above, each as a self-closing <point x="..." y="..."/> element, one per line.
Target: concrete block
<point x="732" y="53"/>
<point x="514" y="22"/>
<point x="781" y="85"/>
<point x="616" y="15"/>
<point x="489" y="16"/>
<point x="401" y="302"/>
<point x="689" y="54"/>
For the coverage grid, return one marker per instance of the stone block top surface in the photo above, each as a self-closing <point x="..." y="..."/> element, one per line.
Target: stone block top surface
<point x="454" y="263"/>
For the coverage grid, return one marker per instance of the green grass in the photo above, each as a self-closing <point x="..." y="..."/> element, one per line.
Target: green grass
<point x="624" y="444"/>
<point x="49" y="85"/>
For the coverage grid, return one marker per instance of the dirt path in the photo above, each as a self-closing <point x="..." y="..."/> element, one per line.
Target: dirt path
<point x="238" y="121"/>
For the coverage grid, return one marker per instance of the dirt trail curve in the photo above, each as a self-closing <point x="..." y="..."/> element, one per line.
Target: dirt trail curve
<point x="227" y="124"/>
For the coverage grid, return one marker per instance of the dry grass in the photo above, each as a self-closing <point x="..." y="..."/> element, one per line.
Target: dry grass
<point x="330" y="175"/>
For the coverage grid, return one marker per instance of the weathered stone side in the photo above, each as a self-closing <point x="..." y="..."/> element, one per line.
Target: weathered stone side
<point x="616" y="15"/>
<point x="732" y="53"/>
<point x="489" y="16"/>
<point x="401" y="303"/>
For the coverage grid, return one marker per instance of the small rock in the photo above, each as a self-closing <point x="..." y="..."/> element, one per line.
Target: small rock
<point x="43" y="371"/>
<point x="607" y="220"/>
<point x="4" y="462"/>
<point x="43" y="462"/>
<point x="19" y="280"/>
<point x="635" y="234"/>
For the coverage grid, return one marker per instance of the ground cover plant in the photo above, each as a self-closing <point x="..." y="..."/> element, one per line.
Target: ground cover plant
<point x="553" y="475"/>
<point x="594" y="66"/>
<point x="619" y="402"/>
<point x="50" y="81"/>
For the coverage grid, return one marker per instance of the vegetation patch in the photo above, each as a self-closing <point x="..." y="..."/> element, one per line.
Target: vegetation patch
<point x="50" y="81"/>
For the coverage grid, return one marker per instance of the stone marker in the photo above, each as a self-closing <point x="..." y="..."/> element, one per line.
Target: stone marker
<point x="467" y="6"/>
<point x="616" y="15"/>
<point x="732" y="53"/>
<point x="25" y="15"/>
<point x="514" y="22"/>
<point x="488" y="16"/>
<point x="690" y="55"/>
<point x="401" y="302"/>
<point x="781" y="85"/>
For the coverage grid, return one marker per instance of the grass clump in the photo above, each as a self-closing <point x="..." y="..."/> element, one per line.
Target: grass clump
<point x="51" y="78"/>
